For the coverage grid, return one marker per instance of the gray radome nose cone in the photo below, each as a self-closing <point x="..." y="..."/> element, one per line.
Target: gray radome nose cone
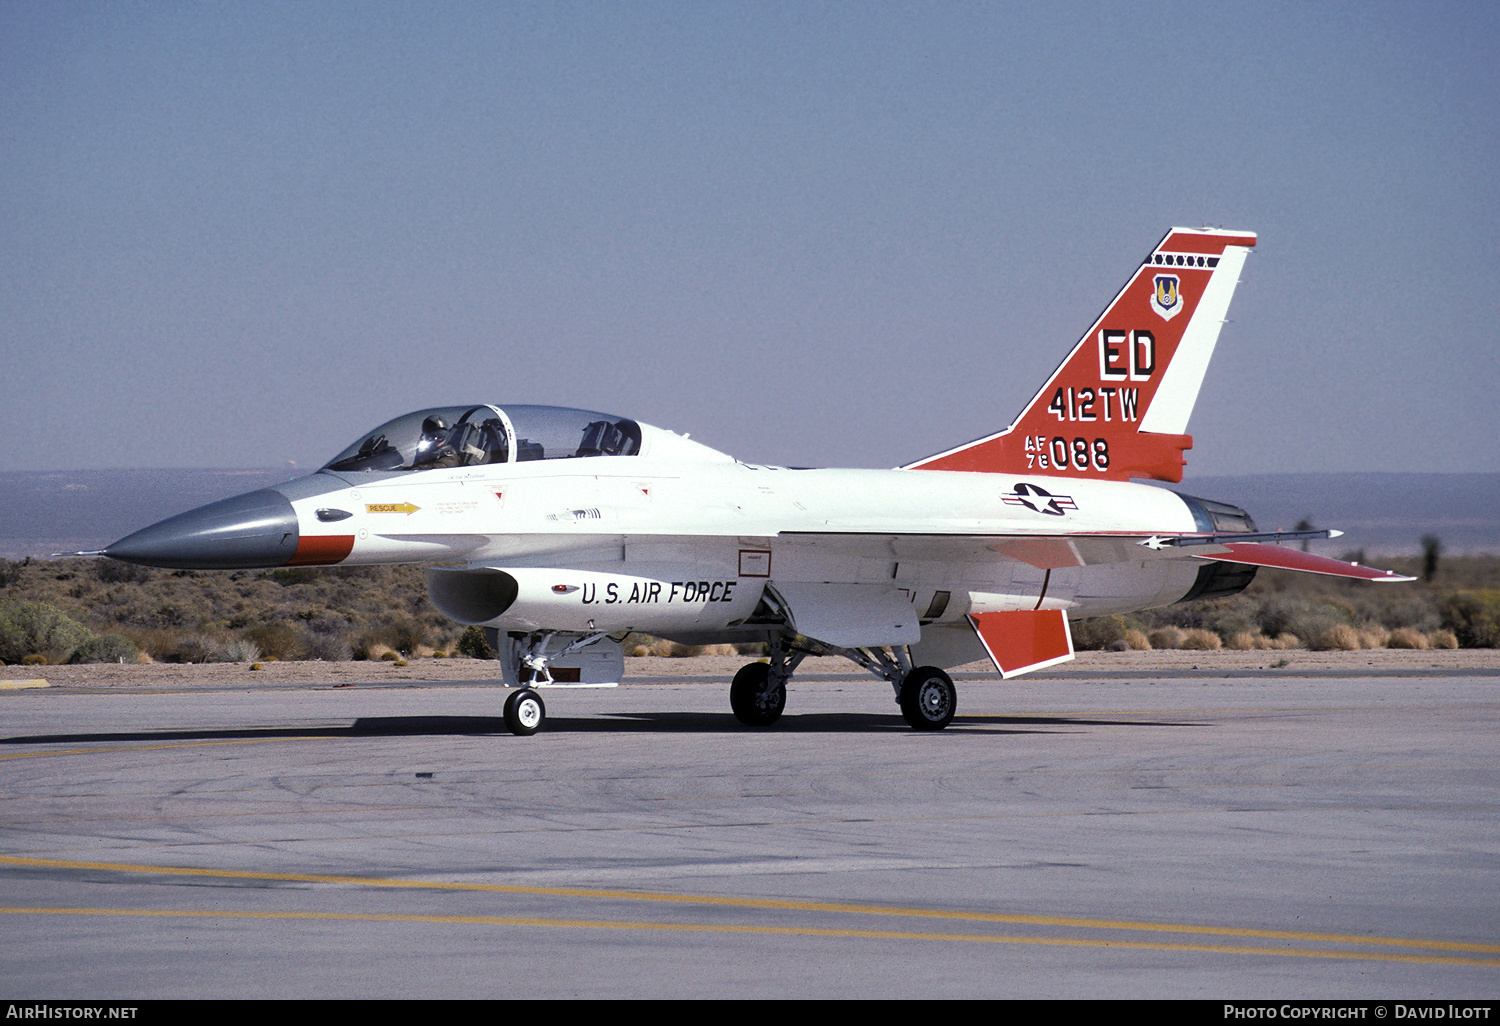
<point x="257" y="529"/>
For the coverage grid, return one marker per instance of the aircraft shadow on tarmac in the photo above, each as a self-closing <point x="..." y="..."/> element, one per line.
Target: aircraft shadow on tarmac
<point x="614" y="723"/>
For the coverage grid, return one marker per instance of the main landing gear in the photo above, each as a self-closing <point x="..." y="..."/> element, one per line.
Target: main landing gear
<point x="928" y="698"/>
<point x="755" y="700"/>
<point x="758" y="693"/>
<point x="925" y="694"/>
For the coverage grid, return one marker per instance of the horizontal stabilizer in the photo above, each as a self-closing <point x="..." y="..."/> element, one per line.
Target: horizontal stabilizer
<point x="1024" y="640"/>
<point x="1256" y="554"/>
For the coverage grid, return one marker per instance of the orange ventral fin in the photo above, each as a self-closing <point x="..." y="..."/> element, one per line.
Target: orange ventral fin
<point x="1118" y="406"/>
<point x="1024" y="640"/>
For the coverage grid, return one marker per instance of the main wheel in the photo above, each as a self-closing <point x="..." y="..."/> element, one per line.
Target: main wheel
<point x="753" y="705"/>
<point x="524" y="712"/>
<point x="928" y="698"/>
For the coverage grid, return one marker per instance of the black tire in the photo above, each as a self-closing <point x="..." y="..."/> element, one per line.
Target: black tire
<point x="928" y="698"/>
<point x="524" y="712"/>
<point x="752" y="705"/>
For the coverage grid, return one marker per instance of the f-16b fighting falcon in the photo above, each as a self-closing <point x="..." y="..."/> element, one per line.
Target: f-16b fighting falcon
<point x="559" y="531"/>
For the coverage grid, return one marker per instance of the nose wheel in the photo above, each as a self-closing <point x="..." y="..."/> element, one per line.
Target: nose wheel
<point x="524" y="712"/>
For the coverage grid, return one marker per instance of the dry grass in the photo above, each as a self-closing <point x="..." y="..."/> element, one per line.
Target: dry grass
<point x="340" y="613"/>
<point x="1408" y="637"/>
<point x="1200" y="640"/>
<point x="1339" y="637"/>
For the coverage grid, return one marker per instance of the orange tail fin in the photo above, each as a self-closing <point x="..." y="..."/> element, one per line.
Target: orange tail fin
<point x="1118" y="406"/>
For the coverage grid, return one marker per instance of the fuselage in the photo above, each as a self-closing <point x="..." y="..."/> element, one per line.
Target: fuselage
<point x="681" y="539"/>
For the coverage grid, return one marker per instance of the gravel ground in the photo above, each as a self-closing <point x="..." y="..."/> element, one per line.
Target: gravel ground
<point x="716" y="669"/>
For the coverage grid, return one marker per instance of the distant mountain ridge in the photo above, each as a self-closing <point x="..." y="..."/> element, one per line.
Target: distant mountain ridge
<point x="45" y="512"/>
<point x="1379" y="512"/>
<point x="48" y="511"/>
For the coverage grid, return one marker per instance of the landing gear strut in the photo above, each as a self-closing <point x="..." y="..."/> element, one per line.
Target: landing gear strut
<point x="758" y="693"/>
<point x="755" y="701"/>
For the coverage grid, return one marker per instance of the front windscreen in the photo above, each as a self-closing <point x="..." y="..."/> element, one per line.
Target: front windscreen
<point x="450" y="436"/>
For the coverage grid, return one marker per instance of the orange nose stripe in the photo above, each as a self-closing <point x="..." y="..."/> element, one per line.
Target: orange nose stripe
<point x="321" y="550"/>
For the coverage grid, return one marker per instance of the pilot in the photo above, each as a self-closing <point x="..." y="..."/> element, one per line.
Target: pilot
<point x="434" y="449"/>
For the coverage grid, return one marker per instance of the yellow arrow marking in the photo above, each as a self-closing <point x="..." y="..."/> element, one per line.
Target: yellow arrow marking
<point x="391" y="507"/>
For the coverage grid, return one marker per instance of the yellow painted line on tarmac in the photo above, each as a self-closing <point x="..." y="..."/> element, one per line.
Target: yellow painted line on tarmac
<point x="771" y="904"/>
<point x="16" y="685"/>
<point x="782" y="931"/>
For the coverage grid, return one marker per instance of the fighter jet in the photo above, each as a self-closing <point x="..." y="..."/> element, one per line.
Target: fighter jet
<point x="559" y="531"/>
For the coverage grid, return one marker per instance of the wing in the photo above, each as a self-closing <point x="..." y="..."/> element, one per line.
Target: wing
<point x="1052" y="552"/>
<point x="1023" y="627"/>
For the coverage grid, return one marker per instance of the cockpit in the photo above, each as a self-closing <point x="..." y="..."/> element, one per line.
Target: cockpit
<point x="467" y="436"/>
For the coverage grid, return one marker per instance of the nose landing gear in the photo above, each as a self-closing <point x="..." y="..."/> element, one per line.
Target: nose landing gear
<point x="524" y="712"/>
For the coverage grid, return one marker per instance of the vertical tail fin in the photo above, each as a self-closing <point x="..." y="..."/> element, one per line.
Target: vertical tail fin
<point x="1118" y="406"/>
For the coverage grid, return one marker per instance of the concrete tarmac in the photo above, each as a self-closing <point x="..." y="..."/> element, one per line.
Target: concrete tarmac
<point x="1120" y="836"/>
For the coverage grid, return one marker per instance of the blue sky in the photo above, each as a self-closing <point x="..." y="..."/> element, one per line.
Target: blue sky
<point x="854" y="234"/>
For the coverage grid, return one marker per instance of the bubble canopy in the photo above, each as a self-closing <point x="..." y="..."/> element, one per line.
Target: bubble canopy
<point x="466" y="436"/>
